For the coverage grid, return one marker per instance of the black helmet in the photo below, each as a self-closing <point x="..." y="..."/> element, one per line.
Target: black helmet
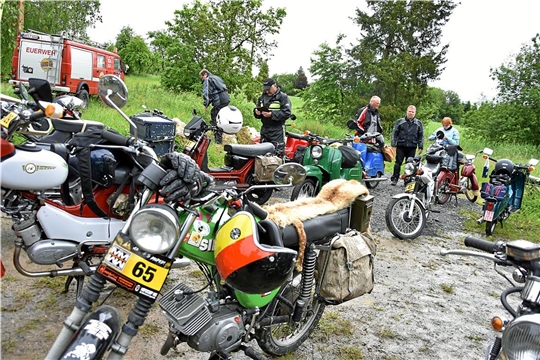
<point x="504" y="166"/>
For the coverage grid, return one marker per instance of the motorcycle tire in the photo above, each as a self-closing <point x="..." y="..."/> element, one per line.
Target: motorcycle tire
<point x="444" y="192"/>
<point x="306" y="189"/>
<point x="374" y="184"/>
<point x="469" y="193"/>
<point x="259" y="196"/>
<point x="282" y="339"/>
<point x="396" y="222"/>
<point x="85" y="97"/>
<point x="490" y="227"/>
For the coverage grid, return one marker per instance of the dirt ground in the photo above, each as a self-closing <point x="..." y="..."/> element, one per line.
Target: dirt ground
<point x="423" y="305"/>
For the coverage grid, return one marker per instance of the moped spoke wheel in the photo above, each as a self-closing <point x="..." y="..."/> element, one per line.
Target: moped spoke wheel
<point x="469" y="193"/>
<point x="490" y="227"/>
<point x="444" y="191"/>
<point x="281" y="339"/>
<point x="306" y="189"/>
<point x="398" y="221"/>
<point x="259" y="196"/>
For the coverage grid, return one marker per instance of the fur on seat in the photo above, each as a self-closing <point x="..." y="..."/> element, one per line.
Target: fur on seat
<point x="335" y="195"/>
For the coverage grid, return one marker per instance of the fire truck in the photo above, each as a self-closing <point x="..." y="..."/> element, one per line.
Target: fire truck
<point x="71" y="66"/>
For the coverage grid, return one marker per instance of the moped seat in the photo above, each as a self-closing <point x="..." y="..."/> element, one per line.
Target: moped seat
<point x="316" y="229"/>
<point x="373" y="148"/>
<point x="250" y="150"/>
<point x="75" y="126"/>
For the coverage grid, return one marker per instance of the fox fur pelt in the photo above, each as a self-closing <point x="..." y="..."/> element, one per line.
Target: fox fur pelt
<point x="335" y="195"/>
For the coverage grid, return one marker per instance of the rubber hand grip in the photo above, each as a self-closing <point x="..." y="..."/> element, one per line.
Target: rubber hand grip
<point x="37" y="115"/>
<point x="115" y="138"/>
<point x="480" y="244"/>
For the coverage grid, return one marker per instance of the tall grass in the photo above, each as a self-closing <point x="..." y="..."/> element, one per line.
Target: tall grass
<point x="145" y="90"/>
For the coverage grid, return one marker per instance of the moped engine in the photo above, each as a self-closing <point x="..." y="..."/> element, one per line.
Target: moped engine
<point x="203" y="326"/>
<point x="42" y="251"/>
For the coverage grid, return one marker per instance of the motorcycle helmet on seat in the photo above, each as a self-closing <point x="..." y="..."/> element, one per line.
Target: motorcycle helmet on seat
<point x="504" y="167"/>
<point x="103" y="164"/>
<point x="229" y="119"/>
<point x="245" y="263"/>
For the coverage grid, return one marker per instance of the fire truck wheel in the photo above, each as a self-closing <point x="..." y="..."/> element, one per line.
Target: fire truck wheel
<point x="85" y="97"/>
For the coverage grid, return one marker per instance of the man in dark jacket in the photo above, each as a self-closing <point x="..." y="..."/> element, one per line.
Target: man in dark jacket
<point x="214" y="93"/>
<point x="407" y="136"/>
<point x="369" y="119"/>
<point x="273" y="108"/>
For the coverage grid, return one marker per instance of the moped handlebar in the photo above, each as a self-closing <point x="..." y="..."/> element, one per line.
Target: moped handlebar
<point x="480" y="244"/>
<point x="116" y="139"/>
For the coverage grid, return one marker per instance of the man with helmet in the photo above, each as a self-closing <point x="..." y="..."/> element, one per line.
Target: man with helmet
<point x="214" y="92"/>
<point x="273" y="108"/>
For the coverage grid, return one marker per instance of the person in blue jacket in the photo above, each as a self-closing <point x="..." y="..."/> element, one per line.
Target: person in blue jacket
<point x="451" y="134"/>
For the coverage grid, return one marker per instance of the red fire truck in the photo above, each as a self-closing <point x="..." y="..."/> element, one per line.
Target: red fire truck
<point x="70" y="66"/>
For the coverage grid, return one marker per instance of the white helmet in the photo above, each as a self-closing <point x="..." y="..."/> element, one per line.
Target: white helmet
<point x="230" y="119"/>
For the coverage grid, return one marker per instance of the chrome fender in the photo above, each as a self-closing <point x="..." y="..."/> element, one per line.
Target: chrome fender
<point x="410" y="197"/>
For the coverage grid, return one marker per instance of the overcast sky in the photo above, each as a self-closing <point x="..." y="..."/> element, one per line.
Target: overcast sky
<point x="482" y="34"/>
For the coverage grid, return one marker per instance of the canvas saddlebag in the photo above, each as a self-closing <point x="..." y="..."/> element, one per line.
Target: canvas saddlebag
<point x="389" y="153"/>
<point x="349" y="268"/>
<point x="265" y="167"/>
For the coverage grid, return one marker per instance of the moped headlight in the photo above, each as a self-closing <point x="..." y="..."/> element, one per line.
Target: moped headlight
<point x="187" y="133"/>
<point x="410" y="169"/>
<point x="521" y="339"/>
<point x="155" y="228"/>
<point x="316" y="152"/>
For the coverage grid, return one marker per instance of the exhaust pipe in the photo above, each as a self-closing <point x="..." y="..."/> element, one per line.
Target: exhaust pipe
<point x="83" y="269"/>
<point x="375" y="179"/>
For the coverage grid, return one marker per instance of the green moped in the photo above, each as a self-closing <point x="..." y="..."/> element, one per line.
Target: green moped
<point x="326" y="160"/>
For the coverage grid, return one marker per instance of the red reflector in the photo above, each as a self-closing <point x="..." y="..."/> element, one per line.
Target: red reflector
<point x="100" y="249"/>
<point x="490" y="206"/>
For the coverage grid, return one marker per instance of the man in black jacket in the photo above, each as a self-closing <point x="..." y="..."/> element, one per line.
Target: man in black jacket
<point x="407" y="136"/>
<point x="273" y="108"/>
<point x="215" y="93"/>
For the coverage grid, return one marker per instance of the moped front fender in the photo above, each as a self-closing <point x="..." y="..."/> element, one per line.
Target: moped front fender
<point x="468" y="171"/>
<point x="313" y="171"/>
<point x="95" y="335"/>
<point x="410" y="197"/>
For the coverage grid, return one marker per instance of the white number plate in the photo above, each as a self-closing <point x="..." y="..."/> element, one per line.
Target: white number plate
<point x="488" y="215"/>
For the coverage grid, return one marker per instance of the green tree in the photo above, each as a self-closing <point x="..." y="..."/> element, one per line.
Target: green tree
<point x="123" y="38"/>
<point x="329" y="97"/>
<point x="516" y="114"/>
<point x="400" y="50"/>
<point x="446" y="103"/>
<point x="301" y="81"/>
<point x="286" y="83"/>
<point x="69" y="18"/>
<point x="228" y="37"/>
<point x="137" y="55"/>
<point x="159" y="41"/>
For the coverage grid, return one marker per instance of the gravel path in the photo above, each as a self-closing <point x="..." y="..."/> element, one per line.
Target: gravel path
<point x="423" y="305"/>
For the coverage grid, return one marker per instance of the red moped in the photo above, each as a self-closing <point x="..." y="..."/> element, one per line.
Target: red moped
<point x="451" y="183"/>
<point x="239" y="168"/>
